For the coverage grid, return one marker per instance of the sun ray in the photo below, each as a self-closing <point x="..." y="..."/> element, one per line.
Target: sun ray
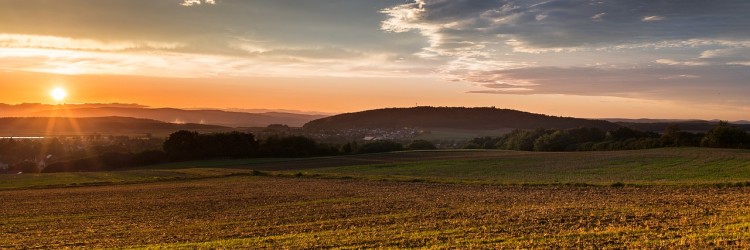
<point x="51" y="122"/>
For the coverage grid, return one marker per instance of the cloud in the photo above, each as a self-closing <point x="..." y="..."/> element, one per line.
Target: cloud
<point x="736" y="55"/>
<point x="726" y="54"/>
<point x="197" y="2"/>
<point x="488" y="43"/>
<point x="185" y="65"/>
<point x="598" y="17"/>
<point x="54" y="42"/>
<point x="679" y="77"/>
<point x="263" y="37"/>
<point x="652" y="18"/>
<point x="570" y="23"/>
<point x="683" y="63"/>
<point x="709" y="84"/>
<point x="628" y="48"/>
<point x="208" y="28"/>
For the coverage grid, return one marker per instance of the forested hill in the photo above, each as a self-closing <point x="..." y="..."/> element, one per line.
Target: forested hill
<point x="452" y="117"/>
<point x="39" y="126"/>
<point x="207" y="116"/>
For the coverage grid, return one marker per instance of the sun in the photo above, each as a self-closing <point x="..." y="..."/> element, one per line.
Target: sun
<point x="58" y="94"/>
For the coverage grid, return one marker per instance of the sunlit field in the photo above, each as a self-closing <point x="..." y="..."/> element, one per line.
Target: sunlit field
<point x="313" y="213"/>
<point x="405" y="203"/>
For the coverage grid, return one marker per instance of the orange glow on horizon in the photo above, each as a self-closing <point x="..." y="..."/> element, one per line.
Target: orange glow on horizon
<point x="331" y="95"/>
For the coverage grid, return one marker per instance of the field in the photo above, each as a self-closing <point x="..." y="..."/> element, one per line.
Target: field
<point x="391" y="200"/>
<point x="668" y="166"/>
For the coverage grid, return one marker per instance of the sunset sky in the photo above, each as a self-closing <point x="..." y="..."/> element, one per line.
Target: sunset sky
<point x="598" y="59"/>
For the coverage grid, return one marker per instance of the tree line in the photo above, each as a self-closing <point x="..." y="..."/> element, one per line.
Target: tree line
<point x="32" y="155"/>
<point x="25" y="155"/>
<point x="189" y="145"/>
<point x="723" y="135"/>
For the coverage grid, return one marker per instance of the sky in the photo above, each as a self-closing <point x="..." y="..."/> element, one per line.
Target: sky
<point x="597" y="59"/>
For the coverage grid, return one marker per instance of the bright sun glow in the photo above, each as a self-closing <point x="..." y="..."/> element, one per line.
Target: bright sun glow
<point x="58" y="94"/>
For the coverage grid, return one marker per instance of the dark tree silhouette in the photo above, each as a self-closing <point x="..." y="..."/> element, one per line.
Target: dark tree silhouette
<point x="183" y="145"/>
<point x="725" y="135"/>
<point x="556" y="141"/>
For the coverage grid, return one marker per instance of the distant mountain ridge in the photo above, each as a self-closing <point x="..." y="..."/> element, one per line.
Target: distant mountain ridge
<point x="43" y="126"/>
<point x="452" y="117"/>
<point x="173" y="115"/>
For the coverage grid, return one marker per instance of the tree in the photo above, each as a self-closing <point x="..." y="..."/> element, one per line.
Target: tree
<point x="298" y="146"/>
<point x="556" y="141"/>
<point x="524" y="140"/>
<point x="183" y="145"/>
<point x="624" y="133"/>
<point x="671" y="136"/>
<point x="583" y="135"/>
<point x="725" y="135"/>
<point x="25" y="167"/>
<point x="235" y="144"/>
<point x="486" y="142"/>
<point x="293" y="146"/>
<point x="346" y="148"/>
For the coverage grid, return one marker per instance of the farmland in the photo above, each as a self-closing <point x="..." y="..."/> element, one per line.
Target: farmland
<point x="668" y="166"/>
<point x="673" y="198"/>
<point x="306" y="213"/>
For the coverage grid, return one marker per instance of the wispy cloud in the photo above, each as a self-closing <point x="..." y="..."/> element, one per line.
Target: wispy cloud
<point x="707" y="84"/>
<point x="568" y="23"/>
<point x="514" y="46"/>
<point x="598" y="17"/>
<point x="55" y="42"/>
<point x="196" y="2"/>
<point x="186" y="65"/>
<point x="259" y="37"/>
<point x="652" y="18"/>
<point x="683" y="63"/>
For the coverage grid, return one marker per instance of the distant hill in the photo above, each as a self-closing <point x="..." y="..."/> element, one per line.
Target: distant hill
<point x="40" y="126"/>
<point x="215" y="117"/>
<point x="645" y="120"/>
<point x="452" y="117"/>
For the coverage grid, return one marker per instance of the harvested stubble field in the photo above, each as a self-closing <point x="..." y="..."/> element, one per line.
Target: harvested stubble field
<point x="284" y="212"/>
